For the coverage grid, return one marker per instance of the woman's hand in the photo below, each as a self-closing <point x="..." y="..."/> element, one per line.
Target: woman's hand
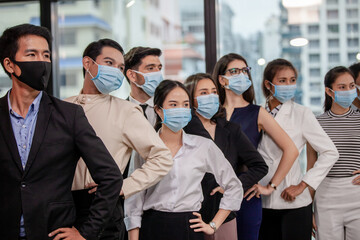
<point x="356" y="180"/>
<point x="200" y="226"/>
<point x="290" y="193"/>
<point x="217" y="189"/>
<point x="258" y="190"/>
<point x="314" y="227"/>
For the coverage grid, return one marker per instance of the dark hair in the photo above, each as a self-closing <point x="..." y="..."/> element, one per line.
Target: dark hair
<point x="219" y="70"/>
<point x="133" y="58"/>
<point x="9" y="41"/>
<point x="192" y="81"/>
<point x="161" y="92"/>
<point x="355" y="69"/>
<point x="271" y="69"/>
<point x="330" y="78"/>
<point x="93" y="50"/>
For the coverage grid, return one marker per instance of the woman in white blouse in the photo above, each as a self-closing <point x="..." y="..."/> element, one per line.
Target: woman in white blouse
<point x="287" y="212"/>
<point x="169" y="210"/>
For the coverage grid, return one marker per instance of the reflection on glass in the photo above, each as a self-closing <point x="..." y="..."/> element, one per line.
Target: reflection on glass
<point x="176" y="27"/>
<point x="331" y="28"/>
<point x="12" y="14"/>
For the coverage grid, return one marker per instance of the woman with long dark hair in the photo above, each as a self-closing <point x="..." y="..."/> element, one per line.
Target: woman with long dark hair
<point x="236" y="94"/>
<point x="208" y="120"/>
<point x="169" y="210"/>
<point x="287" y="212"/>
<point x="337" y="208"/>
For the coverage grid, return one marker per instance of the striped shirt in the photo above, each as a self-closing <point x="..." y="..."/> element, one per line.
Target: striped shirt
<point x="344" y="131"/>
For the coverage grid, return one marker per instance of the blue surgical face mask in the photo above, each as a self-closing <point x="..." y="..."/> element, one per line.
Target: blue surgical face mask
<point x="152" y="80"/>
<point x="108" y="78"/>
<point x="345" y="98"/>
<point x="176" y="118"/>
<point x="238" y="83"/>
<point x="208" y="105"/>
<point x="284" y="93"/>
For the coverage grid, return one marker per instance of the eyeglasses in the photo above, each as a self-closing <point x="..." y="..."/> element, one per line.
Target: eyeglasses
<point x="236" y="71"/>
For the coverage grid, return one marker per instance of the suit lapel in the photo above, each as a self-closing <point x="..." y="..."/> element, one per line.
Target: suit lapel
<point x="8" y="133"/>
<point x="221" y="135"/>
<point x="42" y="122"/>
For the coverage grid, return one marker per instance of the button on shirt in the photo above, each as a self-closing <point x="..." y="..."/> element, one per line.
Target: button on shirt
<point x="180" y="189"/>
<point x="24" y="129"/>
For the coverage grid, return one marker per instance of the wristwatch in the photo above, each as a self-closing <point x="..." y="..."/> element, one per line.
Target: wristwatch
<point x="272" y="185"/>
<point x="213" y="226"/>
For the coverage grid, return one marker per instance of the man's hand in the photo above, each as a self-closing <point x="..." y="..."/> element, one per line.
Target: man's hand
<point x="92" y="186"/>
<point x="290" y="193"/>
<point x="66" y="234"/>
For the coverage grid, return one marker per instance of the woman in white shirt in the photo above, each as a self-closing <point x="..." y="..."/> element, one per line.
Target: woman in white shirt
<point x="169" y="210"/>
<point x="337" y="208"/>
<point x="287" y="212"/>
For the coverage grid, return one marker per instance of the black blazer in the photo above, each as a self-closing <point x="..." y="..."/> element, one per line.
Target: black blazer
<point x="42" y="191"/>
<point x="238" y="150"/>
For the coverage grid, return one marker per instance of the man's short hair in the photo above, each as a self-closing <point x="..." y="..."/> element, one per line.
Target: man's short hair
<point x="133" y="58"/>
<point x="9" y="41"/>
<point x="355" y="69"/>
<point x="93" y="50"/>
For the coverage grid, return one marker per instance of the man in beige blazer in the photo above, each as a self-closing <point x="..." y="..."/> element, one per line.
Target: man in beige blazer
<point x="121" y="126"/>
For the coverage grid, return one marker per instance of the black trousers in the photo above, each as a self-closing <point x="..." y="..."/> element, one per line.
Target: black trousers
<point x="287" y="224"/>
<point x="114" y="229"/>
<point x="156" y="225"/>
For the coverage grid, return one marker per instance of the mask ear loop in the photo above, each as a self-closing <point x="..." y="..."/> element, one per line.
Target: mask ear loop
<point x="334" y="94"/>
<point x="270" y="89"/>
<point x="138" y="85"/>
<point x="87" y="70"/>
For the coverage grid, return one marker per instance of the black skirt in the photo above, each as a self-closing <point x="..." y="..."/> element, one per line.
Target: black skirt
<point x="156" y="225"/>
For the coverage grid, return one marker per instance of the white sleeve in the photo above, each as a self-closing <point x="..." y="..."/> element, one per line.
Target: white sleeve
<point x="321" y="143"/>
<point x="133" y="208"/>
<point x="225" y="176"/>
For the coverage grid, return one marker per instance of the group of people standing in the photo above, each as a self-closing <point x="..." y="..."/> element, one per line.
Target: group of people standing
<point x="200" y="160"/>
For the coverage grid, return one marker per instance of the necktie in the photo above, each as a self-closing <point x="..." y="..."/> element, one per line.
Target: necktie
<point x="144" y="106"/>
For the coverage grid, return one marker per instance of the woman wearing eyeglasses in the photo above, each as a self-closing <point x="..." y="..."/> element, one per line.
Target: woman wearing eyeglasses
<point x="287" y="211"/>
<point x="337" y="208"/>
<point x="236" y="94"/>
<point x="209" y="121"/>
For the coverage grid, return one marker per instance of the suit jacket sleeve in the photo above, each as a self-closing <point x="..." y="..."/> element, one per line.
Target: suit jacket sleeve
<point x="252" y="159"/>
<point x="104" y="171"/>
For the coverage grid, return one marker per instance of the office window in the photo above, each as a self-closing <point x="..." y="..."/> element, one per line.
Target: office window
<point x="351" y="1"/>
<point x="352" y="13"/>
<point x="294" y="29"/>
<point x="332" y="14"/>
<point x="352" y="27"/>
<point x="314" y="72"/>
<point x="352" y="56"/>
<point x="334" y="57"/>
<point x="353" y="42"/>
<point x="332" y="2"/>
<point x="333" y="43"/>
<point x="314" y="44"/>
<point x="12" y="14"/>
<point x="315" y="101"/>
<point x="333" y="28"/>
<point x="314" y="58"/>
<point x="68" y="37"/>
<point x="315" y="86"/>
<point x="312" y="29"/>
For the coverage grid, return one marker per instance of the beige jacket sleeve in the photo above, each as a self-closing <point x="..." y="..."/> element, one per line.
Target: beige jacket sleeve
<point x="141" y="136"/>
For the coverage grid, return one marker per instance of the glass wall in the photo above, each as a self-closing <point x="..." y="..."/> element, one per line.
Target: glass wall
<point x="330" y="30"/>
<point x="176" y="27"/>
<point x="13" y="14"/>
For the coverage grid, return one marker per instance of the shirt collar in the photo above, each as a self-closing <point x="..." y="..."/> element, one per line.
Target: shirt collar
<point x="35" y="105"/>
<point x="149" y="102"/>
<point x="188" y="140"/>
<point x="90" y="98"/>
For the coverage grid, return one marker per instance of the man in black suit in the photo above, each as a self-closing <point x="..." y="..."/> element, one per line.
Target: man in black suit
<point x="41" y="140"/>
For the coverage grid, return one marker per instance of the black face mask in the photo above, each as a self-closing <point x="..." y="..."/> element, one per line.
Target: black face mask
<point x="34" y="74"/>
